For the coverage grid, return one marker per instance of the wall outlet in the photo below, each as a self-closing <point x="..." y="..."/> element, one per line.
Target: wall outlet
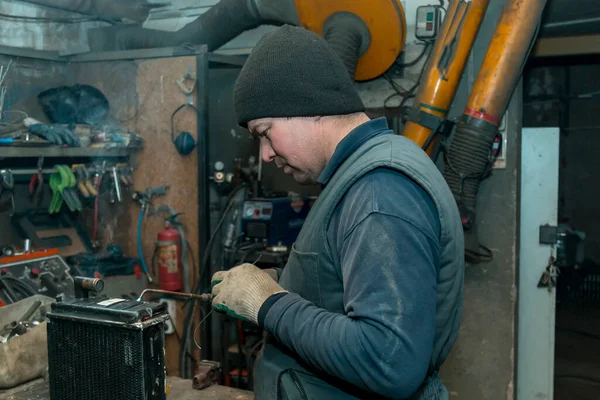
<point x="170" y="323"/>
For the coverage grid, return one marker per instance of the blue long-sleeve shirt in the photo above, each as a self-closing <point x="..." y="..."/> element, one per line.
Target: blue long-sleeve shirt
<point x="385" y="235"/>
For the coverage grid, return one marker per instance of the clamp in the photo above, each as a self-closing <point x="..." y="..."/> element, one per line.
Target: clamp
<point x="57" y="198"/>
<point x="67" y="183"/>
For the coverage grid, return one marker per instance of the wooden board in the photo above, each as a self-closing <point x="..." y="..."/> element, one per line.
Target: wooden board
<point x="160" y="164"/>
<point x="142" y="95"/>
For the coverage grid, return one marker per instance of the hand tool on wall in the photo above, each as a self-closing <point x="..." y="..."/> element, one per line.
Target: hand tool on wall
<point x="88" y="183"/>
<point x="125" y="174"/>
<point x="116" y="184"/>
<point x="36" y="184"/>
<point x="84" y="183"/>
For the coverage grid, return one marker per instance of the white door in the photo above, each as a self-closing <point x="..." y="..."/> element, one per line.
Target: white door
<point x="536" y="313"/>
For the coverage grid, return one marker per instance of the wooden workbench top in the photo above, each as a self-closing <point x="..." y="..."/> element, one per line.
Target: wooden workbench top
<point x="180" y="390"/>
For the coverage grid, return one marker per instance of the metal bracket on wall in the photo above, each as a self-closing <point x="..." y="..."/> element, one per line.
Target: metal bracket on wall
<point x="187" y="89"/>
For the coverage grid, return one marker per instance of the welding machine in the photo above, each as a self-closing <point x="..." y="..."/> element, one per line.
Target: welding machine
<point x="277" y="221"/>
<point x="106" y="349"/>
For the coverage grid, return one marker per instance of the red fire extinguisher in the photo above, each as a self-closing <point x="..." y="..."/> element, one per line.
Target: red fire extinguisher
<point x="169" y="256"/>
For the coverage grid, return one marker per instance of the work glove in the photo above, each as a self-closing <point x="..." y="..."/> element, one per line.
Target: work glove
<point x="273" y="273"/>
<point x="241" y="291"/>
<point x="55" y="134"/>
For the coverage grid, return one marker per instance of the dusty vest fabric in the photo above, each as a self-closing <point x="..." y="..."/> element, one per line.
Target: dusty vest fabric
<point x="311" y="272"/>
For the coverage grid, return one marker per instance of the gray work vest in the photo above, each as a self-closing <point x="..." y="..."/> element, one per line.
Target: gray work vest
<point x="311" y="272"/>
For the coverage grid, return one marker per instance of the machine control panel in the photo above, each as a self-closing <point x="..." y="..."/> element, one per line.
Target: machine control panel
<point x="428" y="22"/>
<point x="274" y="221"/>
<point x="49" y="276"/>
<point x="258" y="210"/>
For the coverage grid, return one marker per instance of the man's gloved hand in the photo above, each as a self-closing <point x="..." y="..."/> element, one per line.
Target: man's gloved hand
<point x="241" y="291"/>
<point x="273" y="273"/>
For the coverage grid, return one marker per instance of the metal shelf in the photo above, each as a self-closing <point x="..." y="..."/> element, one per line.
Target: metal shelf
<point x="33" y="152"/>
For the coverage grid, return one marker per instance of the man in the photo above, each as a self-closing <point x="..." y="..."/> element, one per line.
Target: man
<point x="369" y="303"/>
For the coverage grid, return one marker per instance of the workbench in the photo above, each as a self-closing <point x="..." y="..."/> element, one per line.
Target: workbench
<point x="181" y="389"/>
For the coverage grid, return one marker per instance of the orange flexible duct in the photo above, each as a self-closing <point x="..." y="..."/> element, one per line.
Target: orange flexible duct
<point x="444" y="70"/>
<point x="468" y="158"/>
<point x="504" y="60"/>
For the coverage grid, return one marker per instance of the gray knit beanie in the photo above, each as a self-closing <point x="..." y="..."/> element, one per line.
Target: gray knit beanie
<point x="293" y="72"/>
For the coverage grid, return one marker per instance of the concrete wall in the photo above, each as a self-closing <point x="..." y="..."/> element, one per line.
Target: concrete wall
<point x="482" y="362"/>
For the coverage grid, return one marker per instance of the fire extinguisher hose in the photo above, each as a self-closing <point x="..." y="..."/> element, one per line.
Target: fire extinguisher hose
<point x="139" y="245"/>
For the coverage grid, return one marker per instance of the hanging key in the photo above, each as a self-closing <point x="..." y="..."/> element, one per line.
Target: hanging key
<point x="116" y="183"/>
<point x="549" y="276"/>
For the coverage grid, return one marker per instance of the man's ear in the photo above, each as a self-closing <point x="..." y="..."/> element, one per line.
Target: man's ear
<point x="317" y="118"/>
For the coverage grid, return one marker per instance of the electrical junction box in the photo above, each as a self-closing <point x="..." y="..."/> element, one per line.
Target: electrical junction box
<point x="428" y="22"/>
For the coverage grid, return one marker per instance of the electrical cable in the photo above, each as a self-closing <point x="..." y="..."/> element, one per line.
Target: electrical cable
<point x="410" y="93"/>
<point x="178" y="336"/>
<point x="24" y="292"/>
<point x="203" y="268"/>
<point x="416" y="60"/>
<point x="9" y="293"/>
<point x="239" y="330"/>
<point x="194" y="266"/>
<point x="251" y="250"/>
<point x="249" y="364"/>
<point x="19" y="285"/>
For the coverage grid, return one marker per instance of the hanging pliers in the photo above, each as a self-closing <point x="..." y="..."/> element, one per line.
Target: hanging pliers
<point x="36" y="184"/>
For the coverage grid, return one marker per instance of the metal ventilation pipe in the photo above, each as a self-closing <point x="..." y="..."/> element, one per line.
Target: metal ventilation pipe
<point x="221" y="23"/>
<point x="132" y="10"/>
<point x="348" y="36"/>
<point x="346" y="32"/>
